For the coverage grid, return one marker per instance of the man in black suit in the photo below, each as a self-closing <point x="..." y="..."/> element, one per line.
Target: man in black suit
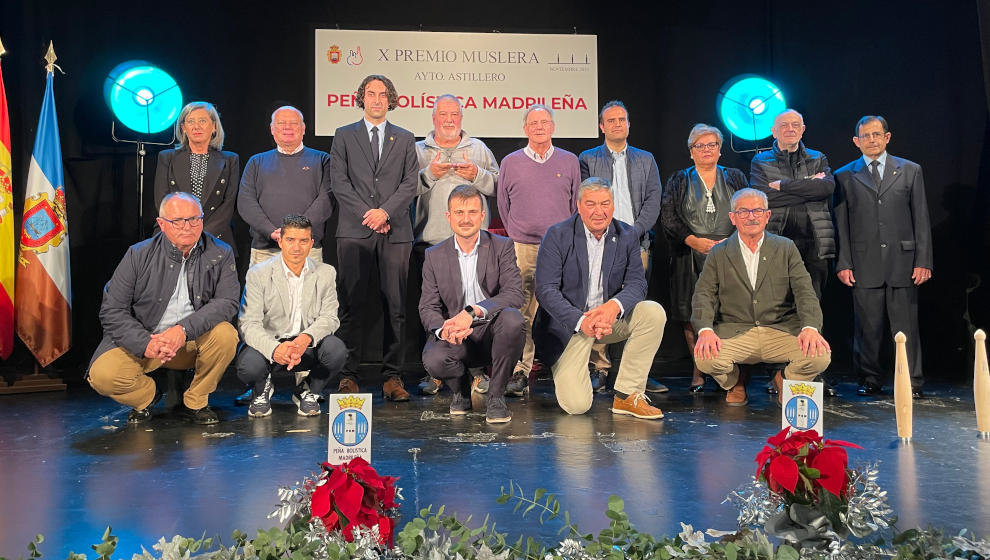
<point x="472" y="292"/>
<point x="373" y="169"/>
<point x="885" y="249"/>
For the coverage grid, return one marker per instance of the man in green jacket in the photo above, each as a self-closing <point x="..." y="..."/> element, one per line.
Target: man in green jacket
<point x="754" y="303"/>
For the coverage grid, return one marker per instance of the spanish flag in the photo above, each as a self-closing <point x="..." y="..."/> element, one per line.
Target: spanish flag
<point x="6" y="230"/>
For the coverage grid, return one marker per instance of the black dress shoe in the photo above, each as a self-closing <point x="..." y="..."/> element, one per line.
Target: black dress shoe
<point x="771" y="389"/>
<point x="868" y="389"/>
<point x="599" y="380"/>
<point x="203" y="416"/>
<point x="917" y="394"/>
<point x="141" y="416"/>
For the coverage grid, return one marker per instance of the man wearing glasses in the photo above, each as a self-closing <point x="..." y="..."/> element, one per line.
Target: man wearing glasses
<point x="754" y="303"/>
<point x="169" y="303"/>
<point x="885" y="250"/>
<point x="291" y="179"/>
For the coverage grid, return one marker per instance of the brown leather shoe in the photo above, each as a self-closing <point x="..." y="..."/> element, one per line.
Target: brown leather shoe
<point x="778" y="383"/>
<point x="394" y="391"/>
<point x="347" y="385"/>
<point x="638" y="405"/>
<point x="736" y="396"/>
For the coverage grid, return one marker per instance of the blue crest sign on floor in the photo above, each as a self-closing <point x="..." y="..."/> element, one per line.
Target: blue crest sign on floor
<point x="350" y="428"/>
<point x="802" y="405"/>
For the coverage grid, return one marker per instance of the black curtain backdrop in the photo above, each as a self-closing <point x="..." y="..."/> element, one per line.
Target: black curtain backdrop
<point x="919" y="64"/>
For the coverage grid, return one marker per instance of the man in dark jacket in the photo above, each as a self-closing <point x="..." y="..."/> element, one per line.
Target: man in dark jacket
<point x="799" y="184"/>
<point x="168" y="303"/>
<point x="885" y="249"/>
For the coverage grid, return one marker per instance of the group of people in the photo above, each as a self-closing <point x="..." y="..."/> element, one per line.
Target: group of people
<point x="569" y="279"/>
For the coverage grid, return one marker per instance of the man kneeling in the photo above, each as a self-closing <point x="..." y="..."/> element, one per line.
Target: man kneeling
<point x="168" y="303"/>
<point x="591" y="287"/>
<point x="472" y="291"/>
<point x="288" y="318"/>
<point x="754" y="303"/>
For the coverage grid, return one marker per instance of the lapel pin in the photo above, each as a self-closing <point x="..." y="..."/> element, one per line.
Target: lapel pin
<point x="764" y="258"/>
<point x="306" y="168"/>
<point x="391" y="138"/>
<point x="558" y="174"/>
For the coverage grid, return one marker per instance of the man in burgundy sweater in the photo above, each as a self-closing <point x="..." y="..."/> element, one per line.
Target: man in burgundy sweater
<point x="537" y="187"/>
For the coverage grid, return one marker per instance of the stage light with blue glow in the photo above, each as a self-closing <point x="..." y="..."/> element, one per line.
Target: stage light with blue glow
<point x="747" y="105"/>
<point x="143" y="97"/>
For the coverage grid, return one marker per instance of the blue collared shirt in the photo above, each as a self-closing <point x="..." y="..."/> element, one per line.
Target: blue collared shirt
<point x="179" y="307"/>
<point x="470" y="287"/>
<point x="381" y="134"/>
<point x="882" y="158"/>
<point x="620" y="187"/>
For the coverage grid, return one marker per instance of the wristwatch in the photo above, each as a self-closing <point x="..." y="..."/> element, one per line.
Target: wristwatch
<point x="470" y="310"/>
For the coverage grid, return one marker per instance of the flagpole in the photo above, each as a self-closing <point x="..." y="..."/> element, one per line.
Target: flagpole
<point x="55" y="236"/>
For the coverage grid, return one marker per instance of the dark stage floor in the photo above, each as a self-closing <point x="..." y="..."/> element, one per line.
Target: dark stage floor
<point x="69" y="464"/>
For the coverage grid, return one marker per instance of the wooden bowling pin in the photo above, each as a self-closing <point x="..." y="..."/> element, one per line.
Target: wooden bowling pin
<point x="902" y="389"/>
<point x="981" y="384"/>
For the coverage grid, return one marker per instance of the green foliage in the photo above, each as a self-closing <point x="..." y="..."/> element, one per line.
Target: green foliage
<point x="438" y="535"/>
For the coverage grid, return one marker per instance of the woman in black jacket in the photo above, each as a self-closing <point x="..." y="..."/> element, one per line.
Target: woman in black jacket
<point x="199" y="166"/>
<point x="695" y="215"/>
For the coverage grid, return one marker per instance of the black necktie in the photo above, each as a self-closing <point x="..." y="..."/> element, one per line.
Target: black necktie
<point x="374" y="144"/>
<point x="875" y="164"/>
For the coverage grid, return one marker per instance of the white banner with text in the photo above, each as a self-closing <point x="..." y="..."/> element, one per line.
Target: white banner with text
<point x="495" y="75"/>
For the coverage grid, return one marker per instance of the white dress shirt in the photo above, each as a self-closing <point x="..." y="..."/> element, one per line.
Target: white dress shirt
<point x="537" y="157"/>
<point x="295" y="299"/>
<point x="381" y="134"/>
<point x="620" y="188"/>
<point x="596" y="283"/>
<point x="298" y="149"/>
<point x="752" y="259"/>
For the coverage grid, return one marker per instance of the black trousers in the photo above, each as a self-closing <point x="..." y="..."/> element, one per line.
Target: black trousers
<point x="355" y="258"/>
<point x="323" y="361"/>
<point x="501" y="339"/>
<point x="871" y="306"/>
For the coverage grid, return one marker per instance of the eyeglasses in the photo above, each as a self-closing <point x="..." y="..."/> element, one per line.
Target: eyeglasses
<point x="747" y="212"/>
<point x="708" y="146"/>
<point x="181" y="223"/>
<point x="287" y="124"/>
<point x="873" y="135"/>
<point x="200" y="122"/>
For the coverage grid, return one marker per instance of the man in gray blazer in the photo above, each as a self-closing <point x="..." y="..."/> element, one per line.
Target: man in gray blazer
<point x="472" y="291"/>
<point x="635" y="180"/>
<point x="885" y="249"/>
<point x="754" y="302"/>
<point x="374" y="170"/>
<point x="288" y="316"/>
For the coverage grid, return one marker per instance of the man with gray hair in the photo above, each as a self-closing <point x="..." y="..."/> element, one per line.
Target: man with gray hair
<point x="591" y="288"/>
<point x="635" y="180"/>
<point x="169" y="303"/>
<point x="448" y="157"/>
<point x="537" y="187"/>
<point x="754" y="303"/>
<point x="290" y="179"/>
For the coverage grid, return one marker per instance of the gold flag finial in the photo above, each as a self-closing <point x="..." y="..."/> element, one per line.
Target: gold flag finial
<point x="2" y="50"/>
<point x="50" y="57"/>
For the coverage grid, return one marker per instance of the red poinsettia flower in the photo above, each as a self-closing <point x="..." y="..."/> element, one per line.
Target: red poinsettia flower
<point x="354" y="495"/>
<point x="796" y="464"/>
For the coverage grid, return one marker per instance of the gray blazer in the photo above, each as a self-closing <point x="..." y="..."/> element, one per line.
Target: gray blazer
<point x="783" y="299"/>
<point x="644" y="183"/>
<point x="442" y="296"/>
<point x="266" y="306"/>
<point x="882" y="234"/>
<point x="359" y="185"/>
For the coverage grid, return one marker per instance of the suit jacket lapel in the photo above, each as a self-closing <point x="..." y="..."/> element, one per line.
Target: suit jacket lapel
<point x="862" y="173"/>
<point x="734" y="254"/>
<point x="484" y="253"/>
<point x="768" y="253"/>
<point x="454" y="291"/>
<point x="364" y="141"/>
<point x="179" y="171"/>
<point x="282" y="288"/>
<point x="608" y="257"/>
<point x="213" y="168"/>
<point x="891" y="174"/>
<point x="387" y="144"/>
<point x="581" y="250"/>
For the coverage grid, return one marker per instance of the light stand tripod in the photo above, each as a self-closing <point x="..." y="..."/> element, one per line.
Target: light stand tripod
<point x="139" y="146"/>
